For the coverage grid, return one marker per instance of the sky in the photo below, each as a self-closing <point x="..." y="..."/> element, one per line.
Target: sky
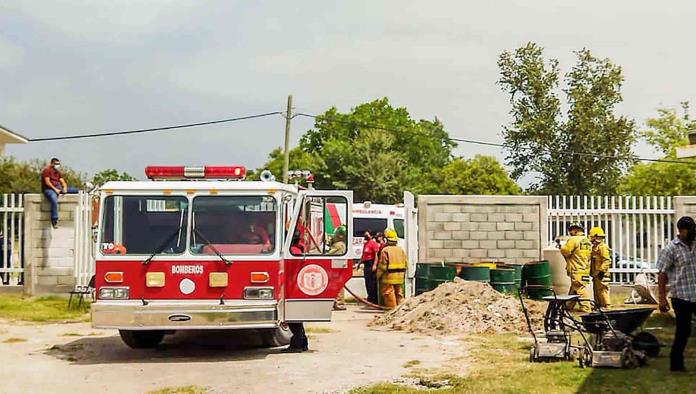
<point x="73" y="67"/>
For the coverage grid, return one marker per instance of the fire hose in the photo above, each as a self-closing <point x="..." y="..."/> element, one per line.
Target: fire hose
<point x="364" y="301"/>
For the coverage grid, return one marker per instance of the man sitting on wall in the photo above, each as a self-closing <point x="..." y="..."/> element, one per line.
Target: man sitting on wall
<point x="52" y="186"/>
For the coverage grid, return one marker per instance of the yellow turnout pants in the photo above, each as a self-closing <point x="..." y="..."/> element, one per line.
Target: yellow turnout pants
<point x="578" y="283"/>
<point x="601" y="292"/>
<point x="391" y="294"/>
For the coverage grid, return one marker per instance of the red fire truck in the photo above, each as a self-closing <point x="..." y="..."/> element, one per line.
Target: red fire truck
<point x="198" y="248"/>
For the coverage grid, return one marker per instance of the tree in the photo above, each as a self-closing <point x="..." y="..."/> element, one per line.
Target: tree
<point x="480" y="175"/>
<point x="665" y="133"/>
<point x="25" y="177"/>
<point x="380" y="147"/>
<point x="668" y="130"/>
<point x="110" y="174"/>
<point x="584" y="152"/>
<point x="659" y="179"/>
<point x="379" y="151"/>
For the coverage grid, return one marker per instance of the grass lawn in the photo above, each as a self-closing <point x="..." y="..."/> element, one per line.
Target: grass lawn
<point x="499" y="364"/>
<point x="180" y="390"/>
<point x="40" y="309"/>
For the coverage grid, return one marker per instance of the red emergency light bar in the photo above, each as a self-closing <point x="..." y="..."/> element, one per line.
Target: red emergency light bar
<point x="206" y="172"/>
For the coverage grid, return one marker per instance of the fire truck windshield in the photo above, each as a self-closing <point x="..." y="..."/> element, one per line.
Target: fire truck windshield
<point x="233" y="225"/>
<point x="144" y="225"/>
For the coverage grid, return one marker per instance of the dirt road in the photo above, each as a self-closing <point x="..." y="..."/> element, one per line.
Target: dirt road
<point x="74" y="358"/>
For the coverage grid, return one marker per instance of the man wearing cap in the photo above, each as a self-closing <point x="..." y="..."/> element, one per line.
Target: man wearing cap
<point x="577" y="252"/>
<point x="599" y="269"/>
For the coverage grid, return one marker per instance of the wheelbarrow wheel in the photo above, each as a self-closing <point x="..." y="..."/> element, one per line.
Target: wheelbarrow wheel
<point x="648" y="343"/>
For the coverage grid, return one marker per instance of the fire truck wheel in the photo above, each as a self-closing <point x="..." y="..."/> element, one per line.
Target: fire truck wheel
<point x="141" y="339"/>
<point x="276" y="337"/>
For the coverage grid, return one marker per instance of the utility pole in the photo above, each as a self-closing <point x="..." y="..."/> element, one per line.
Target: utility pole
<point x="286" y="153"/>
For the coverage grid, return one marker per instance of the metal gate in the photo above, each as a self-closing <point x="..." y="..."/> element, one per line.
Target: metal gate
<point x="11" y="240"/>
<point x="637" y="227"/>
<point x="84" y="242"/>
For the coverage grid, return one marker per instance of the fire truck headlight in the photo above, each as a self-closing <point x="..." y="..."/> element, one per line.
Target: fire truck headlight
<point x="258" y="293"/>
<point x="113" y="293"/>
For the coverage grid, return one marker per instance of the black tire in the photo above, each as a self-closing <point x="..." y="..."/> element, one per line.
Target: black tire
<point x="276" y="337"/>
<point x="141" y="339"/>
<point x="648" y="343"/>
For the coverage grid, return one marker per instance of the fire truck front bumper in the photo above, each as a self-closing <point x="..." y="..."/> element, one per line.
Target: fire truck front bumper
<point x="184" y="315"/>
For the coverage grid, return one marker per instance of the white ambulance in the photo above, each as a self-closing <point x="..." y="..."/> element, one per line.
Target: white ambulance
<point x="376" y="218"/>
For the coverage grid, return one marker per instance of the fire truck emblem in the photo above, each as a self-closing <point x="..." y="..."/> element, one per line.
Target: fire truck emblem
<point x="312" y="280"/>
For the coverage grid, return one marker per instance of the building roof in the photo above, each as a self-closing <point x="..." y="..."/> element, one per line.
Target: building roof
<point x="8" y="136"/>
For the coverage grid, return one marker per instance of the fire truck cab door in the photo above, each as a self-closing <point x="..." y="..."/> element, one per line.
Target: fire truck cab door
<point x="317" y="259"/>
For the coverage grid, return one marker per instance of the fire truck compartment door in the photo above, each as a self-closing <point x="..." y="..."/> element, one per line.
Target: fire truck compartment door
<point x="314" y="278"/>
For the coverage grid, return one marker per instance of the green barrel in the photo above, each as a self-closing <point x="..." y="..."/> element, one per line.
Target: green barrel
<point x="518" y="273"/>
<point x="475" y="273"/>
<point x="503" y="280"/>
<point x="538" y="274"/>
<point x="430" y="276"/>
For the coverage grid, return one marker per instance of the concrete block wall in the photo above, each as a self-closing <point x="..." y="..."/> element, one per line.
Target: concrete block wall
<point x="684" y="206"/>
<point x="457" y="229"/>
<point x="49" y="253"/>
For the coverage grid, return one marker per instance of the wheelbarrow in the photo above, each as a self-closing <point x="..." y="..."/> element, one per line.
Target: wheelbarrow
<point x="614" y="344"/>
<point x="616" y="330"/>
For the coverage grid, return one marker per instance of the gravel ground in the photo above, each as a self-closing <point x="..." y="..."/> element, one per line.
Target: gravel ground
<point x="74" y="358"/>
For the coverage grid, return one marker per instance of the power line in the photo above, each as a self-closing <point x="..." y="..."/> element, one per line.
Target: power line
<point x="500" y="145"/>
<point x="138" y="131"/>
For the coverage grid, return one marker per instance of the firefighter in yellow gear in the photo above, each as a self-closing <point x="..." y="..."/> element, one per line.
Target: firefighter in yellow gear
<point x="599" y="268"/>
<point x="391" y="270"/>
<point x="577" y="252"/>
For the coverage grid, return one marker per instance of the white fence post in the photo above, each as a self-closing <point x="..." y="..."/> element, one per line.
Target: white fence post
<point x="12" y="241"/>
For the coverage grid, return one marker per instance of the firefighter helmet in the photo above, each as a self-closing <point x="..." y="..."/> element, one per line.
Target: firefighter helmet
<point x="597" y="232"/>
<point x="390" y="235"/>
<point x="577" y="225"/>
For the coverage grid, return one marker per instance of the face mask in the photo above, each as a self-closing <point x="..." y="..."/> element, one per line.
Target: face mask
<point x="367" y="238"/>
<point x="56" y="166"/>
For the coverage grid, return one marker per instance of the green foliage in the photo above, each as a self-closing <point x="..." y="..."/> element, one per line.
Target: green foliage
<point x="379" y="151"/>
<point x="659" y="179"/>
<point x="665" y="133"/>
<point x="401" y="150"/>
<point x="588" y="150"/>
<point x="25" y="177"/>
<point x="668" y="130"/>
<point x="110" y="174"/>
<point x="480" y="175"/>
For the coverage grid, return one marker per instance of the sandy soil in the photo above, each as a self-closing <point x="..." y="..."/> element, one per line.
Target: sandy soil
<point x="74" y="358"/>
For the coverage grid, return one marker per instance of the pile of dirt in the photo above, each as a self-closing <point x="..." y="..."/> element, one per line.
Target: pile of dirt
<point x="462" y="307"/>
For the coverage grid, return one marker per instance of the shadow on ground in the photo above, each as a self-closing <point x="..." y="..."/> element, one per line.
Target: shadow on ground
<point x="181" y="347"/>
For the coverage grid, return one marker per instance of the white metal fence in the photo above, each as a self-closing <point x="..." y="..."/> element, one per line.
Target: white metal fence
<point x="84" y="242"/>
<point x="637" y="227"/>
<point x="11" y="240"/>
